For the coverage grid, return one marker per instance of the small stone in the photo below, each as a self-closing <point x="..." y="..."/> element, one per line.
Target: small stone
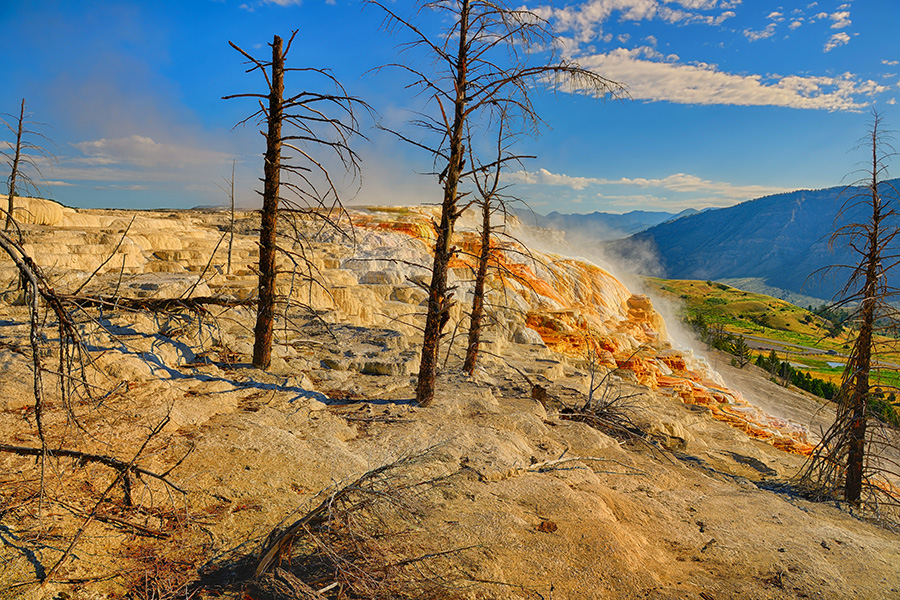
<point x="547" y="526"/>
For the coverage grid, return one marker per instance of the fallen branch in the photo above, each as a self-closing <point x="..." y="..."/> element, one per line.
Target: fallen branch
<point x="281" y="585"/>
<point x="279" y="545"/>
<point x="139" y="529"/>
<point x="95" y="511"/>
<point x="157" y="304"/>
<point x="548" y="465"/>
<point x="114" y="463"/>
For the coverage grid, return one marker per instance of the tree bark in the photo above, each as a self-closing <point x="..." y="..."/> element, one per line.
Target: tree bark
<point x="265" y="315"/>
<point x="15" y="169"/>
<point x="859" y="400"/>
<point x="438" y="300"/>
<point x="231" y="223"/>
<point x="478" y="295"/>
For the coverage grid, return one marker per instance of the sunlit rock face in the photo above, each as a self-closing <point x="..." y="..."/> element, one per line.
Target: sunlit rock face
<point x="375" y="275"/>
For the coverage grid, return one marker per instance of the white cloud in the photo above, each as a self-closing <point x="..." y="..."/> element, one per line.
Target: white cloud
<point x="892" y="101"/>
<point x="841" y="19"/>
<point x="890" y="63"/>
<point x="545" y="177"/>
<point x="698" y="4"/>
<point x="586" y="21"/>
<point x="838" y="39"/>
<point x="682" y="182"/>
<point x="137" y="160"/>
<point x="795" y="24"/>
<point x="775" y="17"/>
<point x="761" y="34"/>
<point x="725" y="15"/>
<point x="144" y="152"/>
<point x="706" y="85"/>
<point x="678" y="182"/>
<point x="133" y="187"/>
<point x="252" y="7"/>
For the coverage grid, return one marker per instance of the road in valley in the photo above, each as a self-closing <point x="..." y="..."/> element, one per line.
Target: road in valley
<point x="762" y="343"/>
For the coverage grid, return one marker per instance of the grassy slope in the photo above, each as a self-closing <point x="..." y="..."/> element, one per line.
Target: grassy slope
<point x="748" y="313"/>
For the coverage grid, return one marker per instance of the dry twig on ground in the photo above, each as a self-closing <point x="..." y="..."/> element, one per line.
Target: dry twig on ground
<point x="360" y="542"/>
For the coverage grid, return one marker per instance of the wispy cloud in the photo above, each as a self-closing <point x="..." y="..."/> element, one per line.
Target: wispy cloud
<point x="838" y="39"/>
<point x="545" y="177"/>
<point x="132" y="187"/>
<point x="649" y="75"/>
<point x="586" y="21"/>
<point x="724" y="193"/>
<point x="704" y="84"/>
<point x="252" y="6"/>
<point x="761" y="34"/>
<point x="145" y="152"/>
<point x="133" y="162"/>
<point x="682" y="182"/>
<point x="841" y="19"/>
<point x="774" y="17"/>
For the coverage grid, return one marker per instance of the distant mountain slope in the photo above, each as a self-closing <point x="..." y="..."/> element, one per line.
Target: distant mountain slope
<point x="781" y="240"/>
<point x="608" y="226"/>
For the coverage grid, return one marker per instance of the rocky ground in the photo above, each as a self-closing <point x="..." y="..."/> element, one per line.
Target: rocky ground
<point x="494" y="494"/>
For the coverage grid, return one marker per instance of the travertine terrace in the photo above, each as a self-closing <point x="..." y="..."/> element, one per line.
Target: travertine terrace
<point x="693" y="514"/>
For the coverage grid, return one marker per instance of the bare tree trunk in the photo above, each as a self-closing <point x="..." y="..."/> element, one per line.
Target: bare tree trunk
<point x="478" y="295"/>
<point x="438" y="299"/>
<point x="858" y="405"/>
<point x="262" y="346"/>
<point x="15" y="169"/>
<point x="306" y="118"/>
<point x="859" y="400"/>
<point x="231" y="224"/>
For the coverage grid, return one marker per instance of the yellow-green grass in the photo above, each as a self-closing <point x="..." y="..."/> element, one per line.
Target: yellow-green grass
<point x="749" y="313"/>
<point x="746" y="312"/>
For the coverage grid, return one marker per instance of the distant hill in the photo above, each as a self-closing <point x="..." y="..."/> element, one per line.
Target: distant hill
<point x="600" y="226"/>
<point x="779" y="240"/>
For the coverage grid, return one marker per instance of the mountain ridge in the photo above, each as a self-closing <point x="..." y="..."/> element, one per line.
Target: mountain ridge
<point x="781" y="239"/>
<point x="606" y="226"/>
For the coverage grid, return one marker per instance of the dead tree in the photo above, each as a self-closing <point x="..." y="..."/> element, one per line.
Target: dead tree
<point x="844" y="461"/>
<point x="231" y="221"/>
<point x="23" y="157"/>
<point x="489" y="55"/>
<point x="490" y="199"/>
<point x="314" y="127"/>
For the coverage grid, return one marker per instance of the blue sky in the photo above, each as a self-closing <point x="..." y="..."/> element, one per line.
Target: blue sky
<point x="729" y="100"/>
